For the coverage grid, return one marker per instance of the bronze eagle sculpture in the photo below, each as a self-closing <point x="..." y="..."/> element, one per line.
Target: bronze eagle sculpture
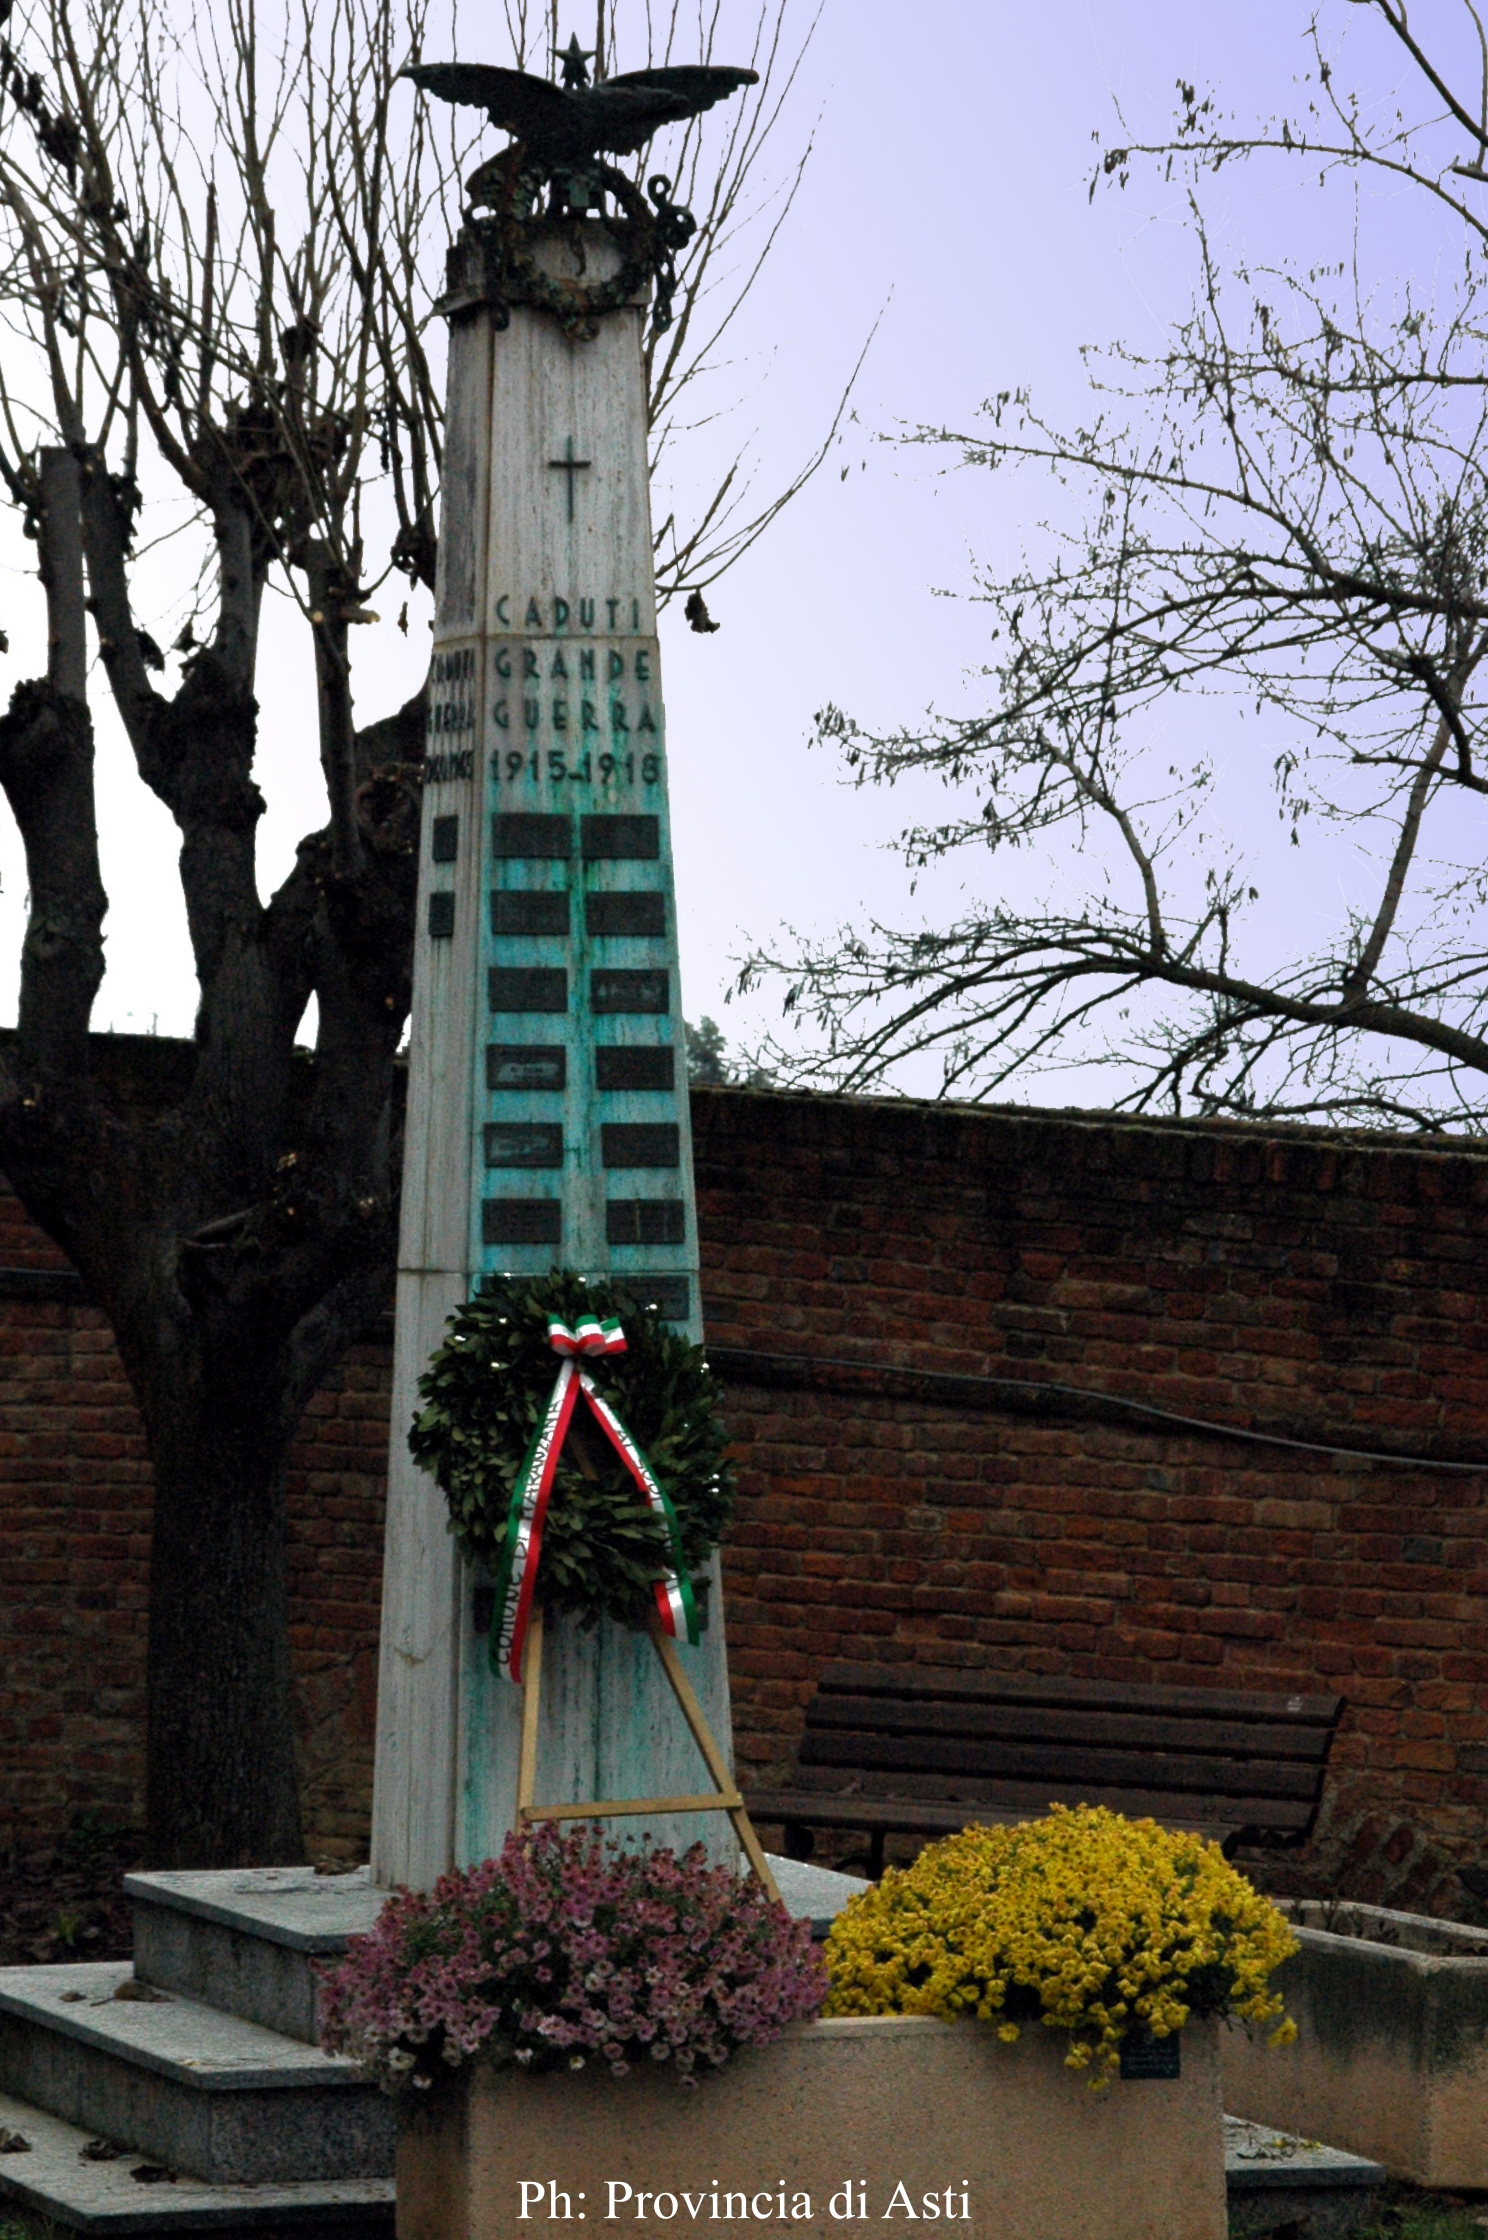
<point x="567" y="126"/>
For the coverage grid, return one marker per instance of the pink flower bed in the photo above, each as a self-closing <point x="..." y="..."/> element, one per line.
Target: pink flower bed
<point x="567" y="1949"/>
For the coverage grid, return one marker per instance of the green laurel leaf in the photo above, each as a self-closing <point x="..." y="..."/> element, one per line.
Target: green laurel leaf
<point x="484" y="1393"/>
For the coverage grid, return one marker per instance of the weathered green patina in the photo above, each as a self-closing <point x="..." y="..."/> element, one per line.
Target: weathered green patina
<point x="548" y="1113"/>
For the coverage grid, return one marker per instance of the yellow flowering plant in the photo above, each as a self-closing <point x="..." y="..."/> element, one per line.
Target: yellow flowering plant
<point x="1103" y="1927"/>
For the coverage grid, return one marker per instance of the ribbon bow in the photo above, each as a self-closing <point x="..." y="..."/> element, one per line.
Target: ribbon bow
<point x="591" y="1335"/>
<point x="517" y="1579"/>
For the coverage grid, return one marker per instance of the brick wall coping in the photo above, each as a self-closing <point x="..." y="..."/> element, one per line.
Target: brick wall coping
<point x="1091" y="1121"/>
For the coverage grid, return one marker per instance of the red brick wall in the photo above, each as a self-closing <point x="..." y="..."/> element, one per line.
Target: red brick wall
<point x="74" y="1560"/>
<point x="74" y="1543"/>
<point x="1333" y="1289"/>
<point x="1325" y="1289"/>
<point x="337" y="1483"/>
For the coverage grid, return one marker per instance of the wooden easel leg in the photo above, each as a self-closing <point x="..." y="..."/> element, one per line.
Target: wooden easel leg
<point x="713" y="1758"/>
<point x="727" y="1798"/>
<point x="531" y="1697"/>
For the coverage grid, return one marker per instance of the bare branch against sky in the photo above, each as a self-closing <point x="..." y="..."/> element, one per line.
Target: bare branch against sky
<point x="222" y="233"/>
<point x="1285" y="506"/>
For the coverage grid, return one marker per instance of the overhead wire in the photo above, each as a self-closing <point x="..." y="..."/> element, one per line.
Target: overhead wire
<point x="1028" y="1388"/>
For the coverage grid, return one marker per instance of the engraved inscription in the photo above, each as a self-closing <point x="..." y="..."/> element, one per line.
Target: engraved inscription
<point x="526" y="1065"/>
<point x="521" y="1221"/>
<point x="529" y="913"/>
<point x="641" y="1143"/>
<point x="556" y="768"/>
<point x="667" y="1295"/>
<point x="625" y="1068"/>
<point x="446" y="769"/>
<point x="567" y="713"/>
<point x="524" y="1143"/>
<point x="518" y="988"/>
<point x="623" y="613"/>
<point x="1151" y="2060"/>
<point x="533" y="837"/>
<point x="451" y="708"/>
<point x="641" y="916"/>
<point x="620" y="839"/>
<point x="645" y="1221"/>
<point x="630" y="991"/>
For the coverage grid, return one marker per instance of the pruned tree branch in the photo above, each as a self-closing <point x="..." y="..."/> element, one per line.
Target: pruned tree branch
<point x="222" y="235"/>
<point x="1287" y="505"/>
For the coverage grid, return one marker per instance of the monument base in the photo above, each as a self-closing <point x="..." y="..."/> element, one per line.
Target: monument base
<point x="188" y="2093"/>
<point x="1013" y="2145"/>
<point x="235" y="1951"/>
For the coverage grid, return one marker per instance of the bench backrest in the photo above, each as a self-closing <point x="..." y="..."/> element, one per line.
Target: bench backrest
<point x="1210" y="1756"/>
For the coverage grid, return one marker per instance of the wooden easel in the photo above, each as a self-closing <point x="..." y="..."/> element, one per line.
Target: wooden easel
<point x="724" y="1798"/>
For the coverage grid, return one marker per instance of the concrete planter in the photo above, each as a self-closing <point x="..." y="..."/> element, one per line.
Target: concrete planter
<point x="1013" y="2145"/>
<point x="1391" y="2059"/>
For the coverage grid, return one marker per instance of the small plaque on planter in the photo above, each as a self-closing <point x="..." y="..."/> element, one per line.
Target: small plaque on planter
<point x="1151" y="2060"/>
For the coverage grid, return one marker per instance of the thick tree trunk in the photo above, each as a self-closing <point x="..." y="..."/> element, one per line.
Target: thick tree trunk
<point x="221" y="1787"/>
<point x="238" y="1240"/>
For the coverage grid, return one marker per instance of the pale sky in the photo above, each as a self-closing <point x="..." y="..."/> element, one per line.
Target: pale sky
<point x="947" y="198"/>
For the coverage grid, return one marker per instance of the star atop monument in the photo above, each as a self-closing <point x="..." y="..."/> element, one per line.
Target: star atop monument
<point x="575" y="60"/>
<point x="568" y="125"/>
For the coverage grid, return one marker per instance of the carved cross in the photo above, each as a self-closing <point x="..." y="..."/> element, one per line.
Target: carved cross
<point x="570" y="466"/>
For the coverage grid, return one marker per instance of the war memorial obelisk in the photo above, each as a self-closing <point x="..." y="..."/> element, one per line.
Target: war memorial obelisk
<point x="547" y="1093"/>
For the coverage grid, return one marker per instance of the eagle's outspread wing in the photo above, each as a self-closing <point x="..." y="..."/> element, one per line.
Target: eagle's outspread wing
<point x="528" y="107"/>
<point x="620" y="119"/>
<point x="568" y="126"/>
<point x="699" y="85"/>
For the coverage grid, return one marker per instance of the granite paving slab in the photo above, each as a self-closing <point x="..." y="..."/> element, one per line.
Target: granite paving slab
<point x="315" y="1914"/>
<point x="294" y="1906"/>
<point x="1276" y="2179"/>
<point x="55" y="2178"/>
<point x="820" y="1893"/>
<point x="201" y="2090"/>
<point x="179" y="2038"/>
<point x="249" y="1940"/>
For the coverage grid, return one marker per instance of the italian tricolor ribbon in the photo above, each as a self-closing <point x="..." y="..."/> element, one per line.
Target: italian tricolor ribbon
<point x="517" y="1579"/>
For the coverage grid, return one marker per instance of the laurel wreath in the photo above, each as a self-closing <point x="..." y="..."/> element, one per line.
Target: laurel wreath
<point x="648" y="237"/>
<point x="484" y="1393"/>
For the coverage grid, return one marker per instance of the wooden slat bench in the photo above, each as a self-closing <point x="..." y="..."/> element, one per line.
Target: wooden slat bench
<point x="918" y="1751"/>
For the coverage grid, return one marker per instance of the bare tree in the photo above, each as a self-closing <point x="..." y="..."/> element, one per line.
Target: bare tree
<point x="1289" y="504"/>
<point x="218" y="229"/>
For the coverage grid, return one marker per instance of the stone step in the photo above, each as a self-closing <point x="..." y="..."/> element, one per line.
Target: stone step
<point x="57" y="2179"/>
<point x="1277" y="2182"/>
<point x="203" y="2092"/>
<point x="246" y="1939"/>
<point x="817" y="1894"/>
